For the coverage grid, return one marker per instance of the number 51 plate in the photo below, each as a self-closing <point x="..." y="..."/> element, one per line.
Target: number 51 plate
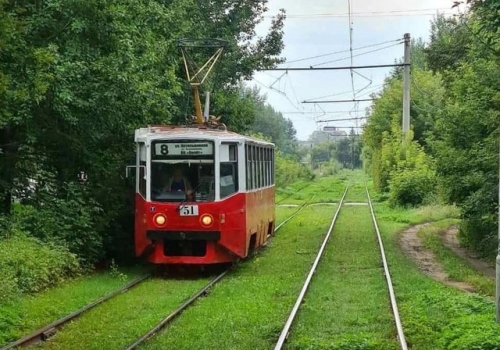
<point x="189" y="210"/>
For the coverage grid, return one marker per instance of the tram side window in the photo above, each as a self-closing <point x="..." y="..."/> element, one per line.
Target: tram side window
<point x="142" y="170"/>
<point x="247" y="168"/>
<point x="229" y="173"/>
<point x="254" y="165"/>
<point x="273" y="165"/>
<point x="262" y="182"/>
<point x="257" y="163"/>
<point x="268" y="180"/>
<point x="270" y="165"/>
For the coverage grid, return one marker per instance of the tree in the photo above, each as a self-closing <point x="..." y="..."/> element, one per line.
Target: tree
<point x="78" y="76"/>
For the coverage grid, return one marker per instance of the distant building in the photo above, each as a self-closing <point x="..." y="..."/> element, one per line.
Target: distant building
<point x="329" y="133"/>
<point x="334" y="132"/>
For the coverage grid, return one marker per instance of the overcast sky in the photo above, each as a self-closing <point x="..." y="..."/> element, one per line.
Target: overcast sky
<point x="319" y="27"/>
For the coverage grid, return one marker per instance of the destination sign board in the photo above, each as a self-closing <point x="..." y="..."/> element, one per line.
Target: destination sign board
<point x="199" y="148"/>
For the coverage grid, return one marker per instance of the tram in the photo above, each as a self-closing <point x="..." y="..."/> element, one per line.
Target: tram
<point x="204" y="195"/>
<point x="224" y="207"/>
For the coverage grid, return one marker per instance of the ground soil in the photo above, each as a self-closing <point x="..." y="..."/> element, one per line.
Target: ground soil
<point x="450" y="240"/>
<point x="426" y="261"/>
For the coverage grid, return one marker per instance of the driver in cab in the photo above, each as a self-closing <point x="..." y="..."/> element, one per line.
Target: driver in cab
<point x="178" y="182"/>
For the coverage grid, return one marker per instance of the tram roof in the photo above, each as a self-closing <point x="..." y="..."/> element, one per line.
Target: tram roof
<point x="154" y="132"/>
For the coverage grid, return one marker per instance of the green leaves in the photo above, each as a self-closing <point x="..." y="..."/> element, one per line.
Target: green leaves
<point x="78" y="76"/>
<point x="455" y="117"/>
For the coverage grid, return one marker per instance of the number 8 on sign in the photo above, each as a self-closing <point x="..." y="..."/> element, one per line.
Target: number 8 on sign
<point x="164" y="149"/>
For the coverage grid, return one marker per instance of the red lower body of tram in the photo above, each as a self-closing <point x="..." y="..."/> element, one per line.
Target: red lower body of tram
<point x="216" y="232"/>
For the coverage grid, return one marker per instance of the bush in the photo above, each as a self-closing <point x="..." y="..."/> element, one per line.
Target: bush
<point x="68" y="221"/>
<point x="27" y="266"/>
<point x="478" y="235"/>
<point x="410" y="187"/>
<point x="289" y="170"/>
<point x="331" y="168"/>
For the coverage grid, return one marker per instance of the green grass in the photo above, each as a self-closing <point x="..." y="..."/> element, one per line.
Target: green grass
<point x="455" y="267"/>
<point x="347" y="305"/>
<point x="325" y="190"/>
<point x="282" y="213"/>
<point x="248" y="309"/>
<point x="415" y="216"/>
<point x="283" y="194"/>
<point x="32" y="312"/>
<point x="434" y="316"/>
<point x="121" y="320"/>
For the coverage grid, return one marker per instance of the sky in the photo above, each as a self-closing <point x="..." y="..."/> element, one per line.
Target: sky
<point x="321" y="27"/>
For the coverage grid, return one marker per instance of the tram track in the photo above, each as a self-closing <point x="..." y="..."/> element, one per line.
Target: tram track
<point x="288" y="324"/>
<point x="297" y="190"/>
<point x="44" y="333"/>
<point x="286" y="330"/>
<point x="202" y="292"/>
<point x="392" y="296"/>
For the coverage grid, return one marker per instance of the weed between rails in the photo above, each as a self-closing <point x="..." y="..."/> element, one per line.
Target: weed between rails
<point x="347" y="305"/>
<point x="121" y="320"/>
<point x="247" y="309"/>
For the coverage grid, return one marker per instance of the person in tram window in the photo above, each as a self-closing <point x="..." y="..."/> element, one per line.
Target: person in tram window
<point x="178" y="182"/>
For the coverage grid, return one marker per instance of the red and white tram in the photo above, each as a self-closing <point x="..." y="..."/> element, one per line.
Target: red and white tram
<point x="225" y="205"/>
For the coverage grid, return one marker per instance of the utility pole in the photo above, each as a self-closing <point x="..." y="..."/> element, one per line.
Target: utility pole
<point x="498" y="254"/>
<point x="406" y="85"/>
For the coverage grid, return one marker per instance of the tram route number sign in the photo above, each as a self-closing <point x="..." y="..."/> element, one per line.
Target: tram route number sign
<point x="184" y="149"/>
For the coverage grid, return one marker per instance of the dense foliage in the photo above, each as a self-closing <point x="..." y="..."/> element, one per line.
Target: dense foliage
<point x="29" y="265"/>
<point x="452" y="153"/>
<point x="77" y="77"/>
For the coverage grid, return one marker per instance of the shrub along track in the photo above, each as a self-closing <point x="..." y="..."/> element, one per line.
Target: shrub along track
<point x="313" y="328"/>
<point x="46" y="332"/>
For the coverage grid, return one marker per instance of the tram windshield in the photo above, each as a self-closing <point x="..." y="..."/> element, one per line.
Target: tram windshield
<point x="182" y="170"/>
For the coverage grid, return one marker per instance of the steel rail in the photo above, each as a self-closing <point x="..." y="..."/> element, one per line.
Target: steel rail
<point x="46" y="332"/>
<point x="159" y="326"/>
<point x="300" y="189"/>
<point x="293" y="215"/>
<point x="176" y="313"/>
<point x="394" y="305"/>
<point x="284" y="332"/>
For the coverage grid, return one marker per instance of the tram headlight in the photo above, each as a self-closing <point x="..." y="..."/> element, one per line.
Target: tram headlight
<point x="160" y="220"/>
<point x="206" y="219"/>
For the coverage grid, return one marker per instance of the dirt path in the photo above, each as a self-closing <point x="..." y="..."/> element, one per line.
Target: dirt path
<point x="425" y="259"/>
<point x="451" y="241"/>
